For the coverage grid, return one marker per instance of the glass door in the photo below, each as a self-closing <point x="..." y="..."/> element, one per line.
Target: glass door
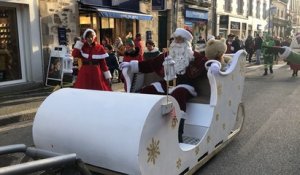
<point x="10" y="61"/>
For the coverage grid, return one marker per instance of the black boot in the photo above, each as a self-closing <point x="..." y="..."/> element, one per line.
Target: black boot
<point x="271" y="69"/>
<point x="266" y="72"/>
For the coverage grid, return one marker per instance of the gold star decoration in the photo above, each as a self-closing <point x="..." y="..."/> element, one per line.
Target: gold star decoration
<point x="217" y="117"/>
<point x="174" y="122"/>
<point x="178" y="163"/>
<point x="197" y="150"/>
<point x="224" y="126"/>
<point x="229" y="103"/>
<point x="242" y="68"/>
<point x="208" y="139"/>
<point x="153" y="151"/>
<point x="219" y="90"/>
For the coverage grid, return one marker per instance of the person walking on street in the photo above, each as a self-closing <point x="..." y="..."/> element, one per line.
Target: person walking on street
<point x="151" y="52"/>
<point x="249" y="46"/>
<point x="229" y="43"/>
<point x="268" y="54"/>
<point x="139" y="43"/>
<point x="94" y="73"/>
<point x="257" y="46"/>
<point x="111" y="60"/>
<point x="236" y="44"/>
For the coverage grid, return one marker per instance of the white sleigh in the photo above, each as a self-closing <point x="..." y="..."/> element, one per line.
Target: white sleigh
<point x="127" y="133"/>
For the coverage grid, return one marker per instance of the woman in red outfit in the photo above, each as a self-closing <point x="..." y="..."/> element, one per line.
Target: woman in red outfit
<point x="131" y="52"/>
<point x="94" y="73"/>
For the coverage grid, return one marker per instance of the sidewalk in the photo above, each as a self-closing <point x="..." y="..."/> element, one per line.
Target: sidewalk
<point x="19" y="105"/>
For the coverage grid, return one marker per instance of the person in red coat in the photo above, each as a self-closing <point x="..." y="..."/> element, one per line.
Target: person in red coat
<point x="94" y="73"/>
<point x="131" y="52"/>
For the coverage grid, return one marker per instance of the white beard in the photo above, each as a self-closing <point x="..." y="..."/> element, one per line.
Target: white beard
<point x="182" y="54"/>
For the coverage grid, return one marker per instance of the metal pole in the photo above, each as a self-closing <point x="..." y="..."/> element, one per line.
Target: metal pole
<point x="270" y="1"/>
<point x="12" y="149"/>
<point x="39" y="165"/>
<point x="214" y="17"/>
<point x="175" y="7"/>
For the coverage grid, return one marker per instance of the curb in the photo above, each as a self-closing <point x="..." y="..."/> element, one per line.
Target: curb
<point x="27" y="115"/>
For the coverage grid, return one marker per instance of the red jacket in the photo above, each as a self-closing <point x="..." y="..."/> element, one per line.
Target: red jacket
<point x="94" y="71"/>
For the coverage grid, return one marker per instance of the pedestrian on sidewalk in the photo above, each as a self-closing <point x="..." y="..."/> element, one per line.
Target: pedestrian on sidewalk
<point x="257" y="46"/>
<point x="249" y="46"/>
<point x="112" y="61"/>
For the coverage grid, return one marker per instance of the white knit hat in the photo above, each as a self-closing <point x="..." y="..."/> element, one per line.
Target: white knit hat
<point x="183" y="33"/>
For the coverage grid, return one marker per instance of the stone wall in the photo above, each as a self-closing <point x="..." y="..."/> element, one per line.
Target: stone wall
<point x="54" y="14"/>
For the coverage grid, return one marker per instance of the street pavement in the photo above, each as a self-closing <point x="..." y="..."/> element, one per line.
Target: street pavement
<point x="19" y="105"/>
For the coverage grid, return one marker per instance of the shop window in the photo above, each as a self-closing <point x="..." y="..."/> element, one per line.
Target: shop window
<point x="10" y="63"/>
<point x="88" y="20"/>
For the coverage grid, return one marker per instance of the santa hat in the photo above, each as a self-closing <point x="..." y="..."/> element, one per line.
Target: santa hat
<point x="88" y="30"/>
<point x="183" y="33"/>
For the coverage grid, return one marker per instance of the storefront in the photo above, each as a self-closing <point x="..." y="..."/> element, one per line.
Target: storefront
<point x="196" y="21"/>
<point x="112" y="19"/>
<point x="20" y="54"/>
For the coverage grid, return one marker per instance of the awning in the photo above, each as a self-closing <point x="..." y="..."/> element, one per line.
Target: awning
<point x="109" y="13"/>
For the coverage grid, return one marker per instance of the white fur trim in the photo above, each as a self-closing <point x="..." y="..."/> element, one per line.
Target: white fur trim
<point x="99" y="57"/>
<point x="190" y="88"/>
<point x="155" y="49"/>
<point x="107" y="75"/>
<point x="158" y="87"/>
<point x="134" y="66"/>
<point x="286" y="53"/>
<point x="88" y="30"/>
<point x="78" y="45"/>
<point x="183" y="33"/>
<point x="85" y="55"/>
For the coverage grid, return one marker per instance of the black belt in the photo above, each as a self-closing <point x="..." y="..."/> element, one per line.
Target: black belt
<point x="90" y="63"/>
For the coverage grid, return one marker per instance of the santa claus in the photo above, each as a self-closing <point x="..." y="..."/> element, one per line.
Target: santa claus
<point x="94" y="73"/>
<point x="189" y="66"/>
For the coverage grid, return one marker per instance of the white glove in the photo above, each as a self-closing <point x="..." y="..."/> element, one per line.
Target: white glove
<point x="124" y="65"/>
<point x="215" y="68"/>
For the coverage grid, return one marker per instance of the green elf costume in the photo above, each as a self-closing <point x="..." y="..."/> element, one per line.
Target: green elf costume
<point x="268" y="54"/>
<point x="287" y="54"/>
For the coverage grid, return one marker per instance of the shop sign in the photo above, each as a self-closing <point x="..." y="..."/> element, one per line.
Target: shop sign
<point x="235" y="25"/>
<point x="158" y="4"/>
<point x="196" y="14"/>
<point x="62" y="35"/>
<point x="224" y="21"/>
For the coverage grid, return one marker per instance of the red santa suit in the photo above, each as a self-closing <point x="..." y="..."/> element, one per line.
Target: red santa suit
<point x="94" y="73"/>
<point x="189" y="66"/>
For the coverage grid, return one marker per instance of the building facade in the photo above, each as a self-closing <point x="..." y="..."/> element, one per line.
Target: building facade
<point x="241" y="17"/>
<point x="279" y="19"/>
<point x="20" y="52"/>
<point x="294" y="13"/>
